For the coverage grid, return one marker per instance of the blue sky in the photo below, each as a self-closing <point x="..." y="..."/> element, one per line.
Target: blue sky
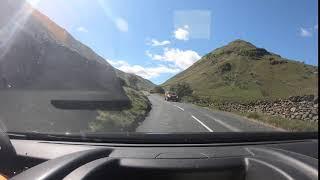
<point x="157" y="39"/>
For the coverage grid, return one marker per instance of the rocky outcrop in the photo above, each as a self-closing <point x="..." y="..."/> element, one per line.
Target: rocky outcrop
<point x="295" y="107"/>
<point x="225" y="67"/>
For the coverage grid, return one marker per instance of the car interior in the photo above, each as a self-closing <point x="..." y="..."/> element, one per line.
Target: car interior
<point x="251" y="156"/>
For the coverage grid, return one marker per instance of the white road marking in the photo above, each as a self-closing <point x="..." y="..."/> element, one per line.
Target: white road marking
<point x="179" y="107"/>
<point x="210" y="130"/>
<point x="223" y="124"/>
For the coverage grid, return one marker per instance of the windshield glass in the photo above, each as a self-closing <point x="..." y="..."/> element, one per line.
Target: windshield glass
<point x="169" y="66"/>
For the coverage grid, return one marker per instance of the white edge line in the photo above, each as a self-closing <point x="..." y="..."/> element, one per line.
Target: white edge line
<point x="179" y="107"/>
<point x="224" y="124"/>
<point x="202" y="123"/>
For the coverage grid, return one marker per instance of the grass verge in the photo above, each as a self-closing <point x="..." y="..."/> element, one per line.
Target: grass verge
<point x="124" y="120"/>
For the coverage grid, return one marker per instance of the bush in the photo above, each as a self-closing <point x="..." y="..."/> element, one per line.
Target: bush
<point x="182" y="89"/>
<point x="157" y="89"/>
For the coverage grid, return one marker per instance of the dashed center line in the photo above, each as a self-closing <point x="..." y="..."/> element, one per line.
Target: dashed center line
<point x="210" y="130"/>
<point x="179" y="107"/>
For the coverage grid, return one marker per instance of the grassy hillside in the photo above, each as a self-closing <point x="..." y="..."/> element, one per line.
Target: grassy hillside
<point x="124" y="120"/>
<point x="127" y="119"/>
<point x="240" y="71"/>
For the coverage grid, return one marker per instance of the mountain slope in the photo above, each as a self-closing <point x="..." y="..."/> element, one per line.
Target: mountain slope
<point x="135" y="81"/>
<point x="36" y="53"/>
<point x="39" y="61"/>
<point x="62" y="37"/>
<point x="240" y="71"/>
<point x="50" y="44"/>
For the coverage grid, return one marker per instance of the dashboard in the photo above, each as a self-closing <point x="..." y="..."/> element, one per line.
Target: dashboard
<point x="287" y="160"/>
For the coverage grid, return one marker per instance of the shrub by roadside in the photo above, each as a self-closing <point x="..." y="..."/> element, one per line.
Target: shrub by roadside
<point x="124" y="120"/>
<point x="182" y="89"/>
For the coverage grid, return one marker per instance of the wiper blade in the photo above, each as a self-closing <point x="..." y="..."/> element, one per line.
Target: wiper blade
<point x="90" y="104"/>
<point x="45" y="136"/>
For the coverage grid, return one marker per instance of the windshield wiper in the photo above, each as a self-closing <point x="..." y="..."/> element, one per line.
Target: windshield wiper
<point x="89" y="100"/>
<point x="44" y="136"/>
<point x="90" y="104"/>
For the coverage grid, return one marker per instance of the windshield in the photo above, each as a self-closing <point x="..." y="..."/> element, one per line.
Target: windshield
<point x="149" y="66"/>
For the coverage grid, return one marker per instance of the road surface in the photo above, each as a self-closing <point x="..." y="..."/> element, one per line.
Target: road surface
<point x="170" y="117"/>
<point x="32" y="111"/>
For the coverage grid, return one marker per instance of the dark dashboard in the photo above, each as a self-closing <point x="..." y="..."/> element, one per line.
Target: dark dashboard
<point x="281" y="159"/>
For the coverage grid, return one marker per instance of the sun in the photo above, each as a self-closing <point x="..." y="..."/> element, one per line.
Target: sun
<point x="34" y="3"/>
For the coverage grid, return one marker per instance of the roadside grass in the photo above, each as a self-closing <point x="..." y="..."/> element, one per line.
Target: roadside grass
<point x="124" y="120"/>
<point x="254" y="115"/>
<point x="280" y="122"/>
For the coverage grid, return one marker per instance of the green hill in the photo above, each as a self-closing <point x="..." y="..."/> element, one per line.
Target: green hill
<point x="240" y="71"/>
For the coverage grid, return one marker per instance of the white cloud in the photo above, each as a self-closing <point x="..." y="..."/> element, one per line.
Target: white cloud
<point x="182" y="33"/>
<point x="155" y="42"/>
<point x="121" y="24"/>
<point x="181" y="59"/>
<point x="145" y="72"/>
<point x="82" y="29"/>
<point x="305" y="32"/>
<point x="316" y="27"/>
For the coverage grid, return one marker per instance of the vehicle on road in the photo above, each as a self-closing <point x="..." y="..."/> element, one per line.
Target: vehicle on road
<point x="171" y="96"/>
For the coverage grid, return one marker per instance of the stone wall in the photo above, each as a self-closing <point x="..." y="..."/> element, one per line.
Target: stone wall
<point x="296" y="107"/>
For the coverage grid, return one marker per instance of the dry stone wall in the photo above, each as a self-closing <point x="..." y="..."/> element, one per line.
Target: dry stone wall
<point x="295" y="107"/>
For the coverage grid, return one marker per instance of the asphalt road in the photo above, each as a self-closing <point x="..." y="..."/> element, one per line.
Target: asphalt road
<point x="32" y="111"/>
<point x="172" y="117"/>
